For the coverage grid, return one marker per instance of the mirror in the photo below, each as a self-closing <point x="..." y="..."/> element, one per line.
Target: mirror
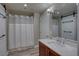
<point x="63" y="24"/>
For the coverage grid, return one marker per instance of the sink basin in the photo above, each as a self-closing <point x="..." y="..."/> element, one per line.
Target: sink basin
<point x="55" y="43"/>
<point x="52" y="41"/>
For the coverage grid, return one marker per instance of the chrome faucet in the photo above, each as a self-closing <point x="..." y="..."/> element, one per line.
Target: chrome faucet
<point x="60" y="40"/>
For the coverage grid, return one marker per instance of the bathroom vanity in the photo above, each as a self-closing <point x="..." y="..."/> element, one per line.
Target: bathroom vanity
<point x="48" y="47"/>
<point x="46" y="51"/>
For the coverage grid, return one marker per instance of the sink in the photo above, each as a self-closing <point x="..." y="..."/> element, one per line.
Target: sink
<point x="51" y="42"/>
<point x="56" y="43"/>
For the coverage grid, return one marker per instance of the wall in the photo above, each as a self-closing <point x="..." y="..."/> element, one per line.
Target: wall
<point x="53" y="26"/>
<point x="59" y="27"/>
<point x="48" y="26"/>
<point x="3" y="28"/>
<point x="78" y="27"/>
<point x="44" y="25"/>
<point x="36" y="27"/>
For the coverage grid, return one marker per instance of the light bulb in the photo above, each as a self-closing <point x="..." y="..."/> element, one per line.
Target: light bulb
<point x="25" y="5"/>
<point x="48" y="10"/>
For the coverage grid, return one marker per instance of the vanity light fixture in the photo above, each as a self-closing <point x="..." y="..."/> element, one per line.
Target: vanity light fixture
<point x="48" y="10"/>
<point x="25" y="5"/>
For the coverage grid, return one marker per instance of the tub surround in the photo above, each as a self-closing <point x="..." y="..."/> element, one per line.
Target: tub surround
<point x="65" y="49"/>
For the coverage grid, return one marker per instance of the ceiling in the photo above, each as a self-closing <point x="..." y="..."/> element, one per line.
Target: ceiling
<point x="18" y="8"/>
<point x="63" y="8"/>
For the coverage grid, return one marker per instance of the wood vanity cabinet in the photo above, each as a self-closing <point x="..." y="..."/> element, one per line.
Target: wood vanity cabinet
<point x="46" y="51"/>
<point x="43" y="50"/>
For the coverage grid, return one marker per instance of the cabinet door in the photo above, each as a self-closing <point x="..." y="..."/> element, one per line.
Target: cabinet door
<point x="43" y="50"/>
<point x="53" y="53"/>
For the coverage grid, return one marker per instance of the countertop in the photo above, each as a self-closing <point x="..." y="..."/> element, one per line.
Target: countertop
<point x="64" y="50"/>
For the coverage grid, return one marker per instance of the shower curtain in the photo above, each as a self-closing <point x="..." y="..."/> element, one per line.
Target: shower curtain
<point x="20" y="31"/>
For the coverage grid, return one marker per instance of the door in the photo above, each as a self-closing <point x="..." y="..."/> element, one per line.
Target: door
<point x="3" y="45"/>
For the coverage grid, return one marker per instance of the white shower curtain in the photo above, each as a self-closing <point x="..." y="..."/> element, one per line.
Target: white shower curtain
<point x="21" y="31"/>
<point x="17" y="31"/>
<point x="11" y="35"/>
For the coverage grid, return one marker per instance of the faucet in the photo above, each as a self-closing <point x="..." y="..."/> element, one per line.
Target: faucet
<point x="60" y="40"/>
<point x="63" y="41"/>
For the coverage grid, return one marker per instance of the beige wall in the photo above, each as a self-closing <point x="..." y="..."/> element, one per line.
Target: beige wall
<point x="36" y="27"/>
<point x="48" y="26"/>
<point x="78" y="28"/>
<point x="44" y="25"/>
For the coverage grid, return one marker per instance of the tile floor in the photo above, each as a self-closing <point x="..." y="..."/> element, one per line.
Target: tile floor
<point x="27" y="52"/>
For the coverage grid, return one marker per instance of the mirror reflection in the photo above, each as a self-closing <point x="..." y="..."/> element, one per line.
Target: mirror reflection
<point x="63" y="23"/>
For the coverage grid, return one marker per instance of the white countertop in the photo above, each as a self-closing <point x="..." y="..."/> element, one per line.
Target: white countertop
<point x="63" y="50"/>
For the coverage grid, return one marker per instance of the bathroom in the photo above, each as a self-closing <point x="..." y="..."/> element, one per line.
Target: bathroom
<point x="39" y="29"/>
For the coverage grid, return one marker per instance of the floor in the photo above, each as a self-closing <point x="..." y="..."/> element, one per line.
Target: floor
<point x="27" y="52"/>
